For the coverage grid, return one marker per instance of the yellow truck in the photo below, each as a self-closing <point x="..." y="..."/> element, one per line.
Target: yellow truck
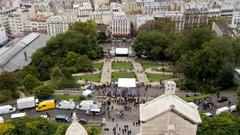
<point x="46" y="105"/>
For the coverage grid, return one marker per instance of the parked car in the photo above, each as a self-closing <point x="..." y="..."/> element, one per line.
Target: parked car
<point x="82" y="121"/>
<point x="65" y="104"/>
<point x="18" y="115"/>
<point x="222" y="99"/>
<point x="208" y="114"/>
<point x="88" y="104"/>
<point x="233" y="108"/>
<point x="62" y="118"/>
<point x="45" y="105"/>
<point x="7" y="109"/>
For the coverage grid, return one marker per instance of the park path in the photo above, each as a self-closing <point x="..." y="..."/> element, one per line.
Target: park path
<point x="141" y="76"/>
<point x="149" y="70"/>
<point x="106" y="71"/>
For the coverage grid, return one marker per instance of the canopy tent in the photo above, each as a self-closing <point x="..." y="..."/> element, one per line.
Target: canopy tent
<point x="126" y="82"/>
<point x="87" y="92"/>
<point x="121" y="51"/>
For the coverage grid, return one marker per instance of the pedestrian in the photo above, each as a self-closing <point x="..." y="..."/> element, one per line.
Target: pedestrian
<point x="112" y="119"/>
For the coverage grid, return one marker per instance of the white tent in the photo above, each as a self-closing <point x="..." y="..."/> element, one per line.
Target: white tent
<point x="87" y="92"/>
<point x="121" y="51"/>
<point x="126" y="82"/>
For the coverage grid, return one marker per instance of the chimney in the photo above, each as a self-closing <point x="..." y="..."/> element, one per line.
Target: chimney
<point x="170" y="87"/>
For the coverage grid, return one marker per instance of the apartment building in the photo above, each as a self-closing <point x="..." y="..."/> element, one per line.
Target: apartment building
<point x="15" y="21"/>
<point x="121" y="26"/>
<point x="149" y="8"/>
<point x="195" y="14"/>
<point x="177" y="16"/>
<point x="56" y="25"/>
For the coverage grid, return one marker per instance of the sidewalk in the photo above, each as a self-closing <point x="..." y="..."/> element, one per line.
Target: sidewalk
<point x="106" y="71"/>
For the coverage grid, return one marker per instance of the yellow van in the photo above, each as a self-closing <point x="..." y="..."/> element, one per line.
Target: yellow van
<point x="45" y="105"/>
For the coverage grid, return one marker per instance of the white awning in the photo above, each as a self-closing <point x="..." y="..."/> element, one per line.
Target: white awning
<point x="126" y="82"/>
<point x="121" y="51"/>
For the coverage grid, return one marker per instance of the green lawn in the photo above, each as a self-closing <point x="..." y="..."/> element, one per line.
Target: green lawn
<point x="158" y="77"/>
<point x="90" y="77"/>
<point x="190" y="99"/>
<point x="75" y="98"/>
<point x="116" y="75"/>
<point x="147" y="64"/>
<point x="98" y="65"/>
<point x="121" y="65"/>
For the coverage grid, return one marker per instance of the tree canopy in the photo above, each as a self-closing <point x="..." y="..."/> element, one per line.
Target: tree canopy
<point x="151" y="44"/>
<point x="210" y="67"/>
<point x="163" y="25"/>
<point x="81" y="39"/>
<point x="30" y="82"/>
<point x="43" y="92"/>
<point x="31" y="126"/>
<point x="8" y="81"/>
<point x="223" y="124"/>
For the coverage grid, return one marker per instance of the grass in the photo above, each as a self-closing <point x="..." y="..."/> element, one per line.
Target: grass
<point x="75" y="98"/>
<point x="147" y="64"/>
<point x="121" y="65"/>
<point x="158" y="77"/>
<point x="191" y="98"/>
<point x="93" y="130"/>
<point x="116" y="75"/>
<point x="98" y="65"/>
<point x="90" y="77"/>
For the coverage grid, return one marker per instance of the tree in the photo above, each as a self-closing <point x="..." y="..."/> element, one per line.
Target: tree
<point x="163" y="25"/>
<point x="195" y="38"/>
<point x="151" y="44"/>
<point x="29" y="70"/>
<point x="30" y="82"/>
<point x="34" y="126"/>
<point x="6" y="128"/>
<point x="43" y="92"/>
<point x="56" y="73"/>
<point x="8" y="81"/>
<point x="6" y="95"/>
<point x="102" y="37"/>
<point x="210" y="66"/>
<point x="238" y="91"/>
<point x="87" y="28"/>
<point x="222" y="124"/>
<point x="83" y="63"/>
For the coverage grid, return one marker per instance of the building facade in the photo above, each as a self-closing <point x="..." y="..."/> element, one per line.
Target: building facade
<point x="56" y="25"/>
<point x="195" y="14"/>
<point x="121" y="26"/>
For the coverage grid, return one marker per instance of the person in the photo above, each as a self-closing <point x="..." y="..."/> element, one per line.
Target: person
<point x="229" y="103"/>
<point x="112" y="119"/>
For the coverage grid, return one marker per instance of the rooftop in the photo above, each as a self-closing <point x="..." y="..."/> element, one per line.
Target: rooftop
<point x="167" y="102"/>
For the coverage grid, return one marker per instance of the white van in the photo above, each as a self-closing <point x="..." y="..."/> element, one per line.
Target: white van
<point x="18" y="115"/>
<point x="7" y="109"/>
<point x="223" y="109"/>
<point x="65" y="104"/>
<point x="233" y="108"/>
<point x="88" y="104"/>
